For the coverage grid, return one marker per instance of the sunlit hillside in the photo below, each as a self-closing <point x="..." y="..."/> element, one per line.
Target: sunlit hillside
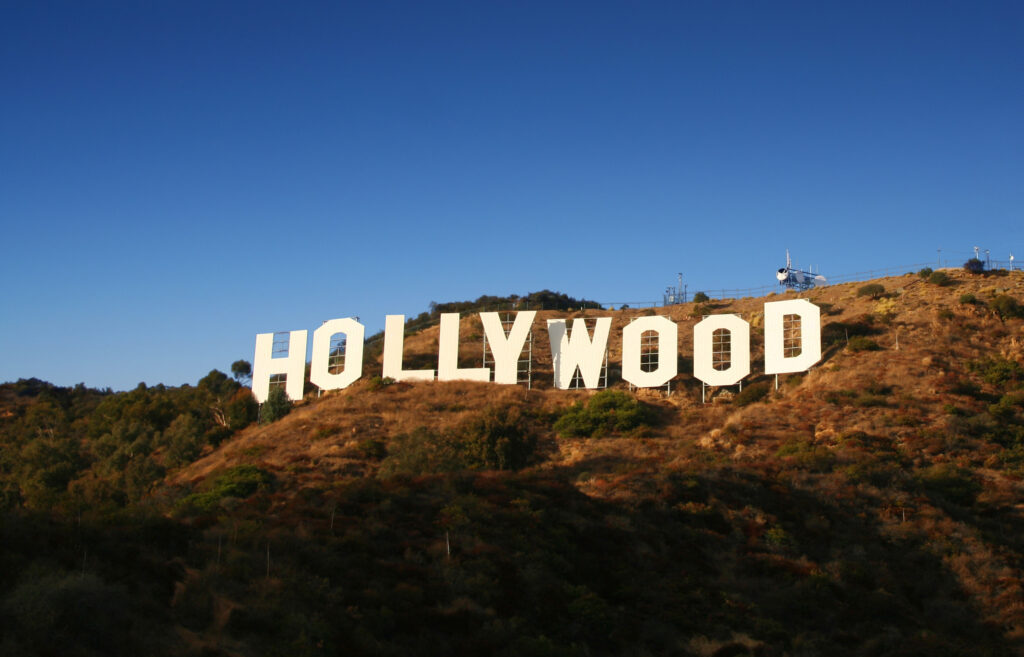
<point x="872" y="506"/>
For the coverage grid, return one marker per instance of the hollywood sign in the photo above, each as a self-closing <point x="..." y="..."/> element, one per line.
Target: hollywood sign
<point x="571" y="348"/>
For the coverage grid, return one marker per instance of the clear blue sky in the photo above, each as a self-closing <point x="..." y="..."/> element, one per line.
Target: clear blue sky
<point x="177" y="176"/>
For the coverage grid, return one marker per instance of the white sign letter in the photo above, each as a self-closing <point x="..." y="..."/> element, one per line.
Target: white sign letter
<point x="448" y="354"/>
<point x="394" y="345"/>
<point x="319" y="373"/>
<point x="739" y="352"/>
<point x="506" y="350"/>
<point x="293" y="365"/>
<point x="775" y="359"/>
<point x="577" y="350"/>
<point x="668" y="335"/>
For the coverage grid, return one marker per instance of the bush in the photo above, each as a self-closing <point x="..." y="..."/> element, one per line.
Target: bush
<point x="276" y="407"/>
<point x="241" y="410"/>
<point x="862" y="343"/>
<point x="755" y="392"/>
<point x="379" y="382"/>
<point x="238" y="481"/>
<point x="700" y="297"/>
<point x="950" y="482"/>
<point x="974" y="266"/>
<point x="1006" y="306"/>
<point x="967" y="298"/>
<point x="807" y="456"/>
<point x="836" y="332"/>
<point x="372" y="449"/>
<point x="873" y="290"/>
<point x="997" y="371"/>
<point x="606" y="412"/>
<point x="940" y="278"/>
<point x="499" y="438"/>
<point x="925" y="273"/>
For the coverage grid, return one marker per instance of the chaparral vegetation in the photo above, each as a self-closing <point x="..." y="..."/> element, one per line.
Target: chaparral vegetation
<point x="871" y="506"/>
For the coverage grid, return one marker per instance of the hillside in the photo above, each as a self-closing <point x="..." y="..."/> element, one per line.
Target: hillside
<point x="872" y="506"/>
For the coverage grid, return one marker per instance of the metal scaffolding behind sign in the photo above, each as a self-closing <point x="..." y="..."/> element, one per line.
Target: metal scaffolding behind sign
<point x="649" y="356"/>
<point x="337" y="353"/>
<point x="282" y="340"/>
<point x="792" y="338"/>
<point x="721" y="357"/>
<point x="524" y="366"/>
<point x="577" y="376"/>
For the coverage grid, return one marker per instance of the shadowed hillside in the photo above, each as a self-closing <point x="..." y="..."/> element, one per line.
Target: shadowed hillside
<point x="871" y="506"/>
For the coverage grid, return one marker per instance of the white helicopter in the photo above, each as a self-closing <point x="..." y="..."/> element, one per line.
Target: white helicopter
<point x="797" y="279"/>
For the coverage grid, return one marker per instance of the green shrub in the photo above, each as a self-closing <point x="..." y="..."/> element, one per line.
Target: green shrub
<point x="700" y="297"/>
<point x="1006" y="307"/>
<point x="967" y="298"/>
<point x="974" y="266"/>
<point x="873" y="290"/>
<point x="876" y="472"/>
<point x="840" y="397"/>
<point x="955" y="484"/>
<point x="869" y="400"/>
<point x="996" y="370"/>
<point x="606" y="412"/>
<point x="1008" y="405"/>
<point x="837" y="332"/>
<point x="372" y="449"/>
<point x="754" y="392"/>
<point x="276" y="407"/>
<point x="940" y="278"/>
<point x="238" y="481"/>
<point x="498" y="438"/>
<point x="807" y="456"/>
<point x="378" y="382"/>
<point x="925" y="273"/>
<point x="862" y="343"/>
<point x="422" y="451"/>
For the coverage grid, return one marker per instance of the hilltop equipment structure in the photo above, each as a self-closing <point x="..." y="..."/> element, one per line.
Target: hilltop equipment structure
<point x="797" y="279"/>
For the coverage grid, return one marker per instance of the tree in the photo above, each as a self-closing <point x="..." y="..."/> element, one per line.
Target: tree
<point x="241" y="410"/>
<point x="276" y="407"/>
<point x="873" y="290"/>
<point x="183" y="439"/>
<point x="241" y="370"/>
<point x="974" y="266"/>
<point x="700" y="297"/>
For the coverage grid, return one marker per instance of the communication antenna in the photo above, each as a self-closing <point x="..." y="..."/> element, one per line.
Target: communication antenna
<point x="675" y="295"/>
<point x="976" y="253"/>
<point x="988" y="261"/>
<point x="1011" y="260"/>
<point x="797" y="279"/>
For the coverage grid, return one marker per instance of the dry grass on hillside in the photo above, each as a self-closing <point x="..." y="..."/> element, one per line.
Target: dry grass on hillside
<point x="922" y="330"/>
